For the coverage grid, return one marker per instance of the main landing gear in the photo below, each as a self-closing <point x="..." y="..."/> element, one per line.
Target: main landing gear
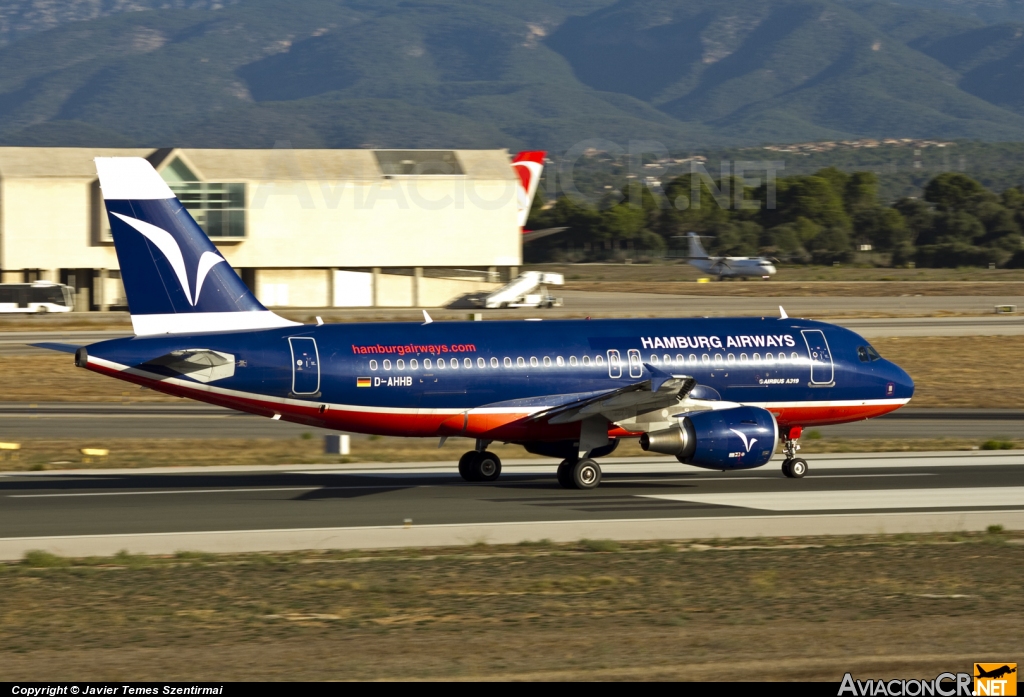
<point x="480" y="465"/>
<point x="579" y="474"/>
<point x="793" y="467"/>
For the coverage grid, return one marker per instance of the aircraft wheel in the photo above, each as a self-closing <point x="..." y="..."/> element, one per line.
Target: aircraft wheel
<point x="486" y="467"/>
<point x="797" y="468"/>
<point x="785" y="467"/>
<point x="466" y="469"/>
<point x="565" y="474"/>
<point x="586" y="474"/>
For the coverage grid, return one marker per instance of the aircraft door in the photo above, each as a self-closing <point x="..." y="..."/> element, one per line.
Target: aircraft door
<point x="822" y="369"/>
<point x="636" y="366"/>
<point x="305" y="365"/>
<point x="614" y="364"/>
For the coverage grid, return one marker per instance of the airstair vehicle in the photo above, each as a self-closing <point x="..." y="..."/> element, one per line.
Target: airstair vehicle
<point x="522" y="291"/>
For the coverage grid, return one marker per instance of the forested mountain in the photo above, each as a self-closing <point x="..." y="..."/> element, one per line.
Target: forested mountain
<point x="535" y="73"/>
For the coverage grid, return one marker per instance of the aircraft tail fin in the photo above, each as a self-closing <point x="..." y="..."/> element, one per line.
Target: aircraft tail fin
<point x="175" y="279"/>
<point x="528" y="165"/>
<point x="696" y="248"/>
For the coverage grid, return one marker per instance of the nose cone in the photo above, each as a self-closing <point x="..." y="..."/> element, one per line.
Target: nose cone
<point x="903" y="384"/>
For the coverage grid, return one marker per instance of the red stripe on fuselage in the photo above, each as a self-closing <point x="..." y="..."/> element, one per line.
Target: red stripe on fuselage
<point x="514" y="427"/>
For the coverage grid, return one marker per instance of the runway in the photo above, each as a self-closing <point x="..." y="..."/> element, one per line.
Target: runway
<point x="359" y="506"/>
<point x="91" y="421"/>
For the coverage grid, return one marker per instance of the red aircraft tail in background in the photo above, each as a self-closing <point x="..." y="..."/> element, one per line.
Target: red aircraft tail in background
<point x="528" y="165"/>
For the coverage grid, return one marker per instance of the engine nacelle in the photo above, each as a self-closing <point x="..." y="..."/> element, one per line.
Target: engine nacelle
<point x="721" y="439"/>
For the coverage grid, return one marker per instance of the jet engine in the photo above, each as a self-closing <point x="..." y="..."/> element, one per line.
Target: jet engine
<point x="721" y="439"/>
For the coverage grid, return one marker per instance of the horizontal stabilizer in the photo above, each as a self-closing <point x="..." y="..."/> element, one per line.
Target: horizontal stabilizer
<point x="531" y="235"/>
<point x="52" y="346"/>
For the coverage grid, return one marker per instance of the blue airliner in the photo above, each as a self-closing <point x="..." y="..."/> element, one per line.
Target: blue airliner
<point x="716" y="393"/>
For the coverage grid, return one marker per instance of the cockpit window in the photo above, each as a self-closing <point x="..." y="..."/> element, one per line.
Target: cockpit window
<point x="867" y="353"/>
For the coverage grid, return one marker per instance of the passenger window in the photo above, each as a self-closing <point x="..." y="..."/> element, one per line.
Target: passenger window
<point x="494" y="362"/>
<point x="705" y="359"/>
<point x="373" y="365"/>
<point x="387" y="364"/>
<point x="508" y="362"/>
<point x="414" y="364"/>
<point x="667" y="358"/>
<point x="521" y="362"/>
<point x="440" y="364"/>
<point x="455" y="363"/>
<point x="426" y="363"/>
<point x="769" y="358"/>
<point x="743" y="358"/>
<point x="400" y="364"/>
<point x="468" y="362"/>
<point x="680" y="360"/>
<point x="654" y="359"/>
<point x="573" y="361"/>
<point x="599" y="359"/>
<point x="534" y="362"/>
<point x="718" y="360"/>
<point x="559" y="362"/>
<point x="794" y="357"/>
<point x="481" y="363"/>
<point x="757" y="358"/>
<point x="547" y="361"/>
<point x="693" y="359"/>
<point x="586" y="360"/>
<point x="730" y="359"/>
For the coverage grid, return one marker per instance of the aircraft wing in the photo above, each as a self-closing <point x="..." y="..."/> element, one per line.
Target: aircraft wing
<point x="656" y="392"/>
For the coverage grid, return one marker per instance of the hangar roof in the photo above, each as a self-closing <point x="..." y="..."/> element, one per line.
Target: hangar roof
<point x="239" y="165"/>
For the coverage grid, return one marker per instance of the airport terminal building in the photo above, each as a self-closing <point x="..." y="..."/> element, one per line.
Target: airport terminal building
<point x="304" y="228"/>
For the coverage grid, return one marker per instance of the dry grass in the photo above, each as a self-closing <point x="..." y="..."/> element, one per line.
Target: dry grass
<point x="748" y="610"/>
<point x="962" y="371"/>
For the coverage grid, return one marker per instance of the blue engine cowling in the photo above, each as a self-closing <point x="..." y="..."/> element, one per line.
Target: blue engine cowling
<point x="722" y="439"/>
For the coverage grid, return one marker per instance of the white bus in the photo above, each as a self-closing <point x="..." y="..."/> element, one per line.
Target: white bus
<point x="38" y="297"/>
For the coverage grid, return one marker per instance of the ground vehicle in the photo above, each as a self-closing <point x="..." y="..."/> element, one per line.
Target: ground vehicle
<point x="39" y="297"/>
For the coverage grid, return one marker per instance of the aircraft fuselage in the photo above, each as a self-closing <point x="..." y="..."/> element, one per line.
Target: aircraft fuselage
<point x="484" y="379"/>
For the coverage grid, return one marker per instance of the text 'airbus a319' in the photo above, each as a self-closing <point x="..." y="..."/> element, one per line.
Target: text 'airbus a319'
<point x="716" y="393"/>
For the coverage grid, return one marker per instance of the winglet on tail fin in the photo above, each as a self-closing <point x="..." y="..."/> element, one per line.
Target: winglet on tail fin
<point x="528" y="165"/>
<point x="175" y="279"/>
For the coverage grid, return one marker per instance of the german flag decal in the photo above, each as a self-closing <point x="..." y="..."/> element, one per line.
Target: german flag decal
<point x="364" y="382"/>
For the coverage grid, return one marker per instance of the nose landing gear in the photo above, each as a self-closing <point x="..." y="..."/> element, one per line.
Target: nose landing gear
<point x="793" y="467"/>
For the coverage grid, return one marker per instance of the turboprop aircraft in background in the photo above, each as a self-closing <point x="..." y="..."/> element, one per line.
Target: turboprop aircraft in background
<point x="728" y="267"/>
<point x="716" y="393"/>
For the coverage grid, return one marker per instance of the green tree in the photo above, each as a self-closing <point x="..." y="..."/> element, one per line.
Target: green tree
<point x="884" y="228"/>
<point x="952" y="191"/>
<point x="861" y="192"/>
<point x="687" y="212"/>
<point x="815" y="199"/>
